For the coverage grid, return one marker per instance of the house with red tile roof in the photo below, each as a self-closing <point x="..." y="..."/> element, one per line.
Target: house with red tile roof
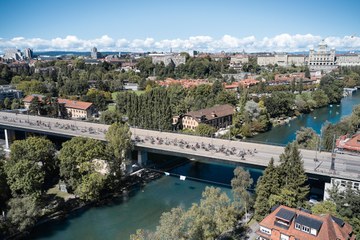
<point x="286" y="223"/>
<point x="75" y="109"/>
<point x="350" y="144"/>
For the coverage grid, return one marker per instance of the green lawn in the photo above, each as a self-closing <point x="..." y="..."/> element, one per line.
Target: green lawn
<point x="55" y="190"/>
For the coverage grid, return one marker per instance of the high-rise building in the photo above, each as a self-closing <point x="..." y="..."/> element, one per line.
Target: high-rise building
<point x="94" y="53"/>
<point x="28" y="53"/>
<point x="13" y="54"/>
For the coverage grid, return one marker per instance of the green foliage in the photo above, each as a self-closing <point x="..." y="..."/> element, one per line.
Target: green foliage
<point x="23" y="212"/>
<point x="91" y="186"/>
<point x="110" y="117"/>
<point x="332" y="87"/>
<point x="77" y="167"/>
<point x="31" y="167"/>
<point x="205" y="130"/>
<point x="240" y="185"/>
<point x="31" y="87"/>
<point x="214" y="215"/>
<point x="285" y="184"/>
<point x="347" y="205"/>
<point x="307" y="138"/>
<point x="5" y="191"/>
<point x="267" y="185"/>
<point x="293" y="178"/>
<point x="280" y="103"/>
<point x="151" y="110"/>
<point x="348" y="125"/>
<point x="325" y="207"/>
<point x="119" y="143"/>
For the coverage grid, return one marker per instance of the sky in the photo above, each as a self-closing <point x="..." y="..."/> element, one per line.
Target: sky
<point x="180" y="25"/>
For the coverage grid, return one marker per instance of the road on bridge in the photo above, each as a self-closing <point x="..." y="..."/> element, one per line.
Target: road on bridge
<point x="193" y="147"/>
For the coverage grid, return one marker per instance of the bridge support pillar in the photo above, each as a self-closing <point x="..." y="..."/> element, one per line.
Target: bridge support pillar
<point x="142" y="158"/>
<point x="9" y="137"/>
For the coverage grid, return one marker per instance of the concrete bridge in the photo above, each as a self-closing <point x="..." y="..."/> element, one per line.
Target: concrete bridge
<point x="317" y="164"/>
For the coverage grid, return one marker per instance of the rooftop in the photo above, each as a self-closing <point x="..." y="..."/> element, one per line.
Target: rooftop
<point x="212" y="113"/>
<point x="68" y="103"/>
<point x="308" y="226"/>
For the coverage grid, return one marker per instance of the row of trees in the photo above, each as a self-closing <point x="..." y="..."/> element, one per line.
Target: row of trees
<point x="89" y="168"/>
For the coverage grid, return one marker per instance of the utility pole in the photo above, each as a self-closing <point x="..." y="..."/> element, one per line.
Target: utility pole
<point x="333" y="155"/>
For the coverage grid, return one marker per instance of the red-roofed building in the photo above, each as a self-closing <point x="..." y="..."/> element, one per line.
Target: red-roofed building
<point x="286" y="223"/>
<point x="349" y="144"/>
<point x="75" y="109"/>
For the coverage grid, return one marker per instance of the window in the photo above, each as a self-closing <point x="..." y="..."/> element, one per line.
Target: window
<point x="284" y="237"/>
<point x="297" y="226"/>
<point x="343" y="183"/>
<point x="305" y="229"/>
<point x="356" y="185"/>
<point x="265" y="230"/>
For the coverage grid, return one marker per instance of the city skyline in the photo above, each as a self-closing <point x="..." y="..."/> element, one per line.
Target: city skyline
<point x="187" y="25"/>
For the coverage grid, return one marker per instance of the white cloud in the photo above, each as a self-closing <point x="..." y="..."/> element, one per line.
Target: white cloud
<point x="280" y="43"/>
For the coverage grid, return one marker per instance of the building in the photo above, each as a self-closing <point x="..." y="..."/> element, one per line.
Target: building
<point x="7" y="91"/>
<point x="348" y="144"/>
<point x="94" y="53"/>
<point x="345" y="60"/>
<point x="322" y="59"/>
<point x="28" y="53"/>
<point x="286" y="223"/>
<point x="74" y="108"/>
<point x="238" y="61"/>
<point x="281" y="59"/>
<point x="218" y="117"/>
<point x="167" y="58"/>
<point x="13" y="54"/>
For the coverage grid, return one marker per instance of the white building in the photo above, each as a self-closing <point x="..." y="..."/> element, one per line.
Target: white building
<point x="323" y="58"/>
<point x="348" y="60"/>
<point x="281" y="59"/>
<point x="167" y="58"/>
<point x="342" y="185"/>
<point x="28" y="53"/>
<point x="13" y="54"/>
<point x="238" y="61"/>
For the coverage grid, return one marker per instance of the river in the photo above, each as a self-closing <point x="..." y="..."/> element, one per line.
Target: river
<point x="286" y="133"/>
<point x="143" y="208"/>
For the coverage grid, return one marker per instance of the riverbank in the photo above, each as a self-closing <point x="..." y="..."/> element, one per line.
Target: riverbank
<point x="73" y="206"/>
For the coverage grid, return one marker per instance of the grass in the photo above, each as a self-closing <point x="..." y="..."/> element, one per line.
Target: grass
<point x="56" y="191"/>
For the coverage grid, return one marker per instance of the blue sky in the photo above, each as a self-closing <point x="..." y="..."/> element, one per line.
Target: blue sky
<point x="184" y="24"/>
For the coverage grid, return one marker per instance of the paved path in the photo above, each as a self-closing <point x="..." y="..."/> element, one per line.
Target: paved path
<point x="194" y="147"/>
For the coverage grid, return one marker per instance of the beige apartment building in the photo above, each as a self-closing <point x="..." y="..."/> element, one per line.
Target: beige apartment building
<point x="348" y="60"/>
<point x="281" y="59"/>
<point x="218" y="117"/>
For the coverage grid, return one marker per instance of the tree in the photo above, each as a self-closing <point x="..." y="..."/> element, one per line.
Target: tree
<point x="5" y="191"/>
<point x="293" y="178"/>
<point x="267" y="185"/>
<point x="325" y="207"/>
<point x="205" y="130"/>
<point x="119" y="143"/>
<point x="307" y="72"/>
<point x="77" y="165"/>
<point x="307" y="138"/>
<point x="23" y="212"/>
<point x="240" y="184"/>
<point x="214" y="215"/>
<point x="31" y="167"/>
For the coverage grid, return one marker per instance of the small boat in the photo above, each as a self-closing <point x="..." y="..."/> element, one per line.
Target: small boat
<point x="314" y="117"/>
<point x="330" y="105"/>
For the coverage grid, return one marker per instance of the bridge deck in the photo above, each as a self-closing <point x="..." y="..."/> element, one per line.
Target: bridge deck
<point x="193" y="147"/>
